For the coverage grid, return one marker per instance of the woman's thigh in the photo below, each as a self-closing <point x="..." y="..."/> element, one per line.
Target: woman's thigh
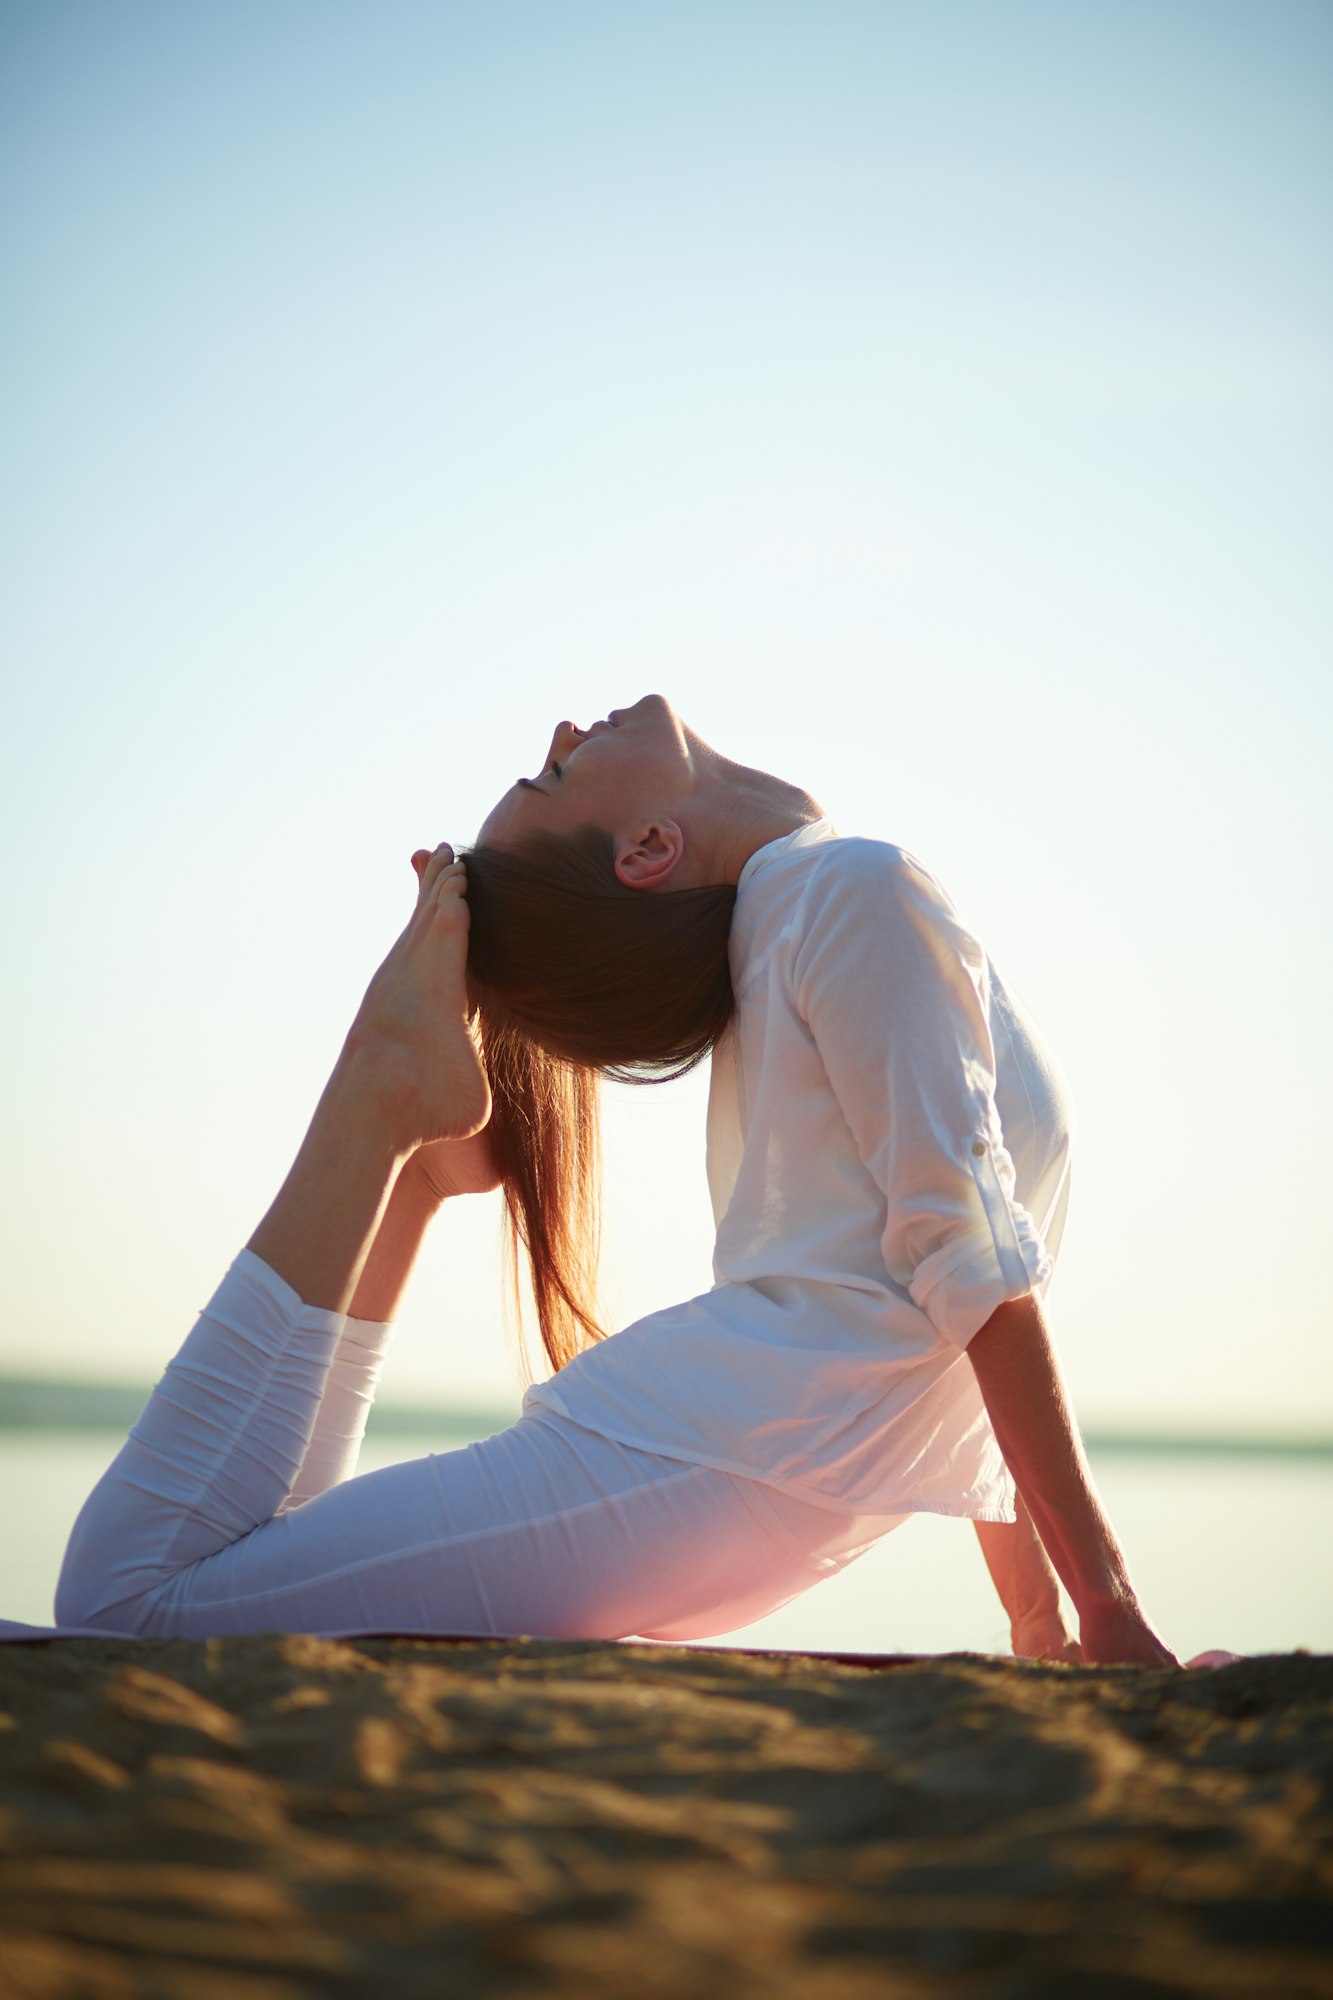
<point x="543" y="1530"/>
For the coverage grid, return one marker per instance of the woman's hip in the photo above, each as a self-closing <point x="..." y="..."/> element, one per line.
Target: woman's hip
<point x="654" y="1546"/>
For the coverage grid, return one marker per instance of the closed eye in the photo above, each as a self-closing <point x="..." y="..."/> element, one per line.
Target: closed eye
<point x="555" y="769"/>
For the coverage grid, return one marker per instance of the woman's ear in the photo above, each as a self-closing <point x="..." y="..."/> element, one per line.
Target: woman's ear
<point x="650" y="859"/>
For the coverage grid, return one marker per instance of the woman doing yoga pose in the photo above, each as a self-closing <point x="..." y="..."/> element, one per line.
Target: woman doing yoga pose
<point x="888" y="1162"/>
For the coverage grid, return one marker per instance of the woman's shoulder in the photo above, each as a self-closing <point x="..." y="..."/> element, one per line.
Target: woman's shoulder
<point x="830" y="895"/>
<point x="858" y="850"/>
<point x="864" y="896"/>
<point x="878" y="868"/>
<point x="819" y="850"/>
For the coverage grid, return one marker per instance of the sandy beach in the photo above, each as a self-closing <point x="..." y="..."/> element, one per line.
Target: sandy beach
<point x="299" y="1816"/>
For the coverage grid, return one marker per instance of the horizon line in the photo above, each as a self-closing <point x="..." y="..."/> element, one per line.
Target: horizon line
<point x="31" y="1403"/>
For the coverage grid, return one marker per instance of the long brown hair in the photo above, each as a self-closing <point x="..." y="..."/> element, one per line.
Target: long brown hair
<point x="575" y="977"/>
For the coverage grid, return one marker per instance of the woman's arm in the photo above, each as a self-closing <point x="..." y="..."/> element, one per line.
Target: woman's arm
<point x="1028" y="1588"/>
<point x="1029" y="1408"/>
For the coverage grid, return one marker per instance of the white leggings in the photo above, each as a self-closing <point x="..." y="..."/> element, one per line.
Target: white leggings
<point x="231" y="1508"/>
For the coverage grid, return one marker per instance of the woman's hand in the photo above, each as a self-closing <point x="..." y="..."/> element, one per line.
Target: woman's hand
<point x="1025" y="1397"/>
<point x="1028" y="1588"/>
<point x="1115" y="1633"/>
<point x="1045" y="1638"/>
<point x="1109" y="1636"/>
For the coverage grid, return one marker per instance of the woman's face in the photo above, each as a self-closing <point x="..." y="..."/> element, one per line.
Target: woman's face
<point x="634" y="765"/>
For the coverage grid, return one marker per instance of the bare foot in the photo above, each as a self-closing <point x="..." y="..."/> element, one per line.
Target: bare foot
<point x="413" y="1023"/>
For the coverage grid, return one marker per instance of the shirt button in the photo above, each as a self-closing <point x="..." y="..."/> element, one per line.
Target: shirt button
<point x="978" y="1147"/>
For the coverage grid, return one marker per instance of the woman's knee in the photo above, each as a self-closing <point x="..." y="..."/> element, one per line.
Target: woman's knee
<point x="80" y="1600"/>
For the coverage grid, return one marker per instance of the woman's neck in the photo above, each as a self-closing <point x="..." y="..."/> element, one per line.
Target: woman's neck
<point x="738" y="810"/>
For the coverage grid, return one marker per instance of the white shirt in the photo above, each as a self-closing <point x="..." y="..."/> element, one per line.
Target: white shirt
<point x="888" y="1147"/>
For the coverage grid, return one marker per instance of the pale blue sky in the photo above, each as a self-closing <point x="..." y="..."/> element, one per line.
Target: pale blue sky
<point x="934" y="401"/>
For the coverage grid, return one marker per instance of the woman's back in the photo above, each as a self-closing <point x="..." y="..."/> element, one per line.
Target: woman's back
<point x="887" y="1155"/>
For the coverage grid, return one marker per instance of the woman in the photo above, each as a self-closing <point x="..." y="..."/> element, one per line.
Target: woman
<point x="888" y="1162"/>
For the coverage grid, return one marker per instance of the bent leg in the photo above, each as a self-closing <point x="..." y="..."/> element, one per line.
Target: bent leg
<point x="500" y="1539"/>
<point x="547" y="1530"/>
<point x="219" y="1448"/>
<point x="543" y="1529"/>
<point x="538" y="1532"/>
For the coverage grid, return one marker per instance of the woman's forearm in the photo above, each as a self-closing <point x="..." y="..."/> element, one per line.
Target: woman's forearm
<point x="1029" y="1408"/>
<point x="1027" y="1587"/>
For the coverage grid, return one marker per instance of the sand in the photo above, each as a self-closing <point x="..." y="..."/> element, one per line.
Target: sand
<point x="284" y="1816"/>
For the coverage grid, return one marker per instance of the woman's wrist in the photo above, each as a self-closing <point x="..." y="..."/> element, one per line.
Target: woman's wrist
<point x="1114" y="1629"/>
<point x="1044" y="1635"/>
<point x="1106" y="1593"/>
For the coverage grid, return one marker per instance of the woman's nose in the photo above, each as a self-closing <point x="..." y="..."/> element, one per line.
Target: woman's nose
<point x="567" y="734"/>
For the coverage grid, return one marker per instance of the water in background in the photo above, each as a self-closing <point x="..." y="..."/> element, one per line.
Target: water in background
<point x="1231" y="1552"/>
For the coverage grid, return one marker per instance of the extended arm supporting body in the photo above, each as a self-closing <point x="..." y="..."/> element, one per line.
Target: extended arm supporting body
<point x="1029" y="1408"/>
<point x="1028" y="1588"/>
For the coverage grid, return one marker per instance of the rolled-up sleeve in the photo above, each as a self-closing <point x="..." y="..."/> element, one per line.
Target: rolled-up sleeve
<point x="896" y="993"/>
